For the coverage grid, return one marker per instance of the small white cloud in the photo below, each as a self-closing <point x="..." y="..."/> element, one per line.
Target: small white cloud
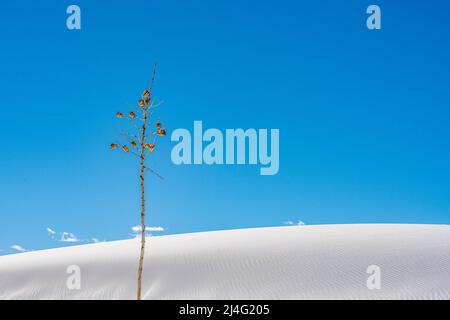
<point x="18" y="248"/>
<point x="293" y="223"/>
<point x="154" y="229"/>
<point x="137" y="229"/>
<point x="68" y="237"/>
<point x="62" y="236"/>
<point x="51" y="233"/>
<point x="95" y="240"/>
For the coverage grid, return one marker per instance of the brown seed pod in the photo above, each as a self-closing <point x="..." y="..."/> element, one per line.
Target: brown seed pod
<point x="113" y="145"/>
<point x="132" y="115"/>
<point x="158" y="126"/>
<point x="125" y="148"/>
<point x="133" y="144"/>
<point x="147" y="100"/>
<point x="150" y="146"/>
<point x="146" y="94"/>
<point x="141" y="103"/>
<point x="119" y="115"/>
<point x="162" y="132"/>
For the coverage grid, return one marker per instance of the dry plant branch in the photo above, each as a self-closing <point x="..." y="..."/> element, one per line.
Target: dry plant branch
<point x="138" y="142"/>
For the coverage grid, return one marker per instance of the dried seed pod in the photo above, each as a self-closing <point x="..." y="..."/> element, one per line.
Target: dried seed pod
<point x="132" y="115"/>
<point x="147" y="100"/>
<point x="133" y="144"/>
<point x="114" y="145"/>
<point x="125" y="148"/>
<point x="146" y="94"/>
<point x="150" y="146"/>
<point x="158" y="126"/>
<point x="162" y="132"/>
<point x="119" y="115"/>
<point x="141" y="103"/>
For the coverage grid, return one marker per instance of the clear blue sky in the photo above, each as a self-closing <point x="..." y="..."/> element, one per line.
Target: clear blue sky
<point x="363" y="115"/>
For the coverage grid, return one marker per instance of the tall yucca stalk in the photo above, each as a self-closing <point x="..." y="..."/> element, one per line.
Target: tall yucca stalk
<point x="140" y="147"/>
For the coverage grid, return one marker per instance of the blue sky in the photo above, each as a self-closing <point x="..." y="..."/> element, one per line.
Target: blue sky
<point x="363" y="115"/>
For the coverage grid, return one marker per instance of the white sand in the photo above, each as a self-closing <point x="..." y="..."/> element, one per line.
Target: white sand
<point x="308" y="262"/>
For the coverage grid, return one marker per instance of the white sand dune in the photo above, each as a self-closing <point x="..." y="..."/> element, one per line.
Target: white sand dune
<point x="308" y="262"/>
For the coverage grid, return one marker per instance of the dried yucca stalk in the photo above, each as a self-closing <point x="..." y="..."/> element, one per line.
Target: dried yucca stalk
<point x="140" y="147"/>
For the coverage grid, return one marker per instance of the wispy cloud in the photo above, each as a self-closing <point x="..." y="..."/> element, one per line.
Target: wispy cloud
<point x="62" y="236"/>
<point x="147" y="229"/>
<point x="295" y="223"/>
<point x="137" y="231"/>
<point x="50" y="231"/>
<point x="68" y="237"/>
<point x="18" y="248"/>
